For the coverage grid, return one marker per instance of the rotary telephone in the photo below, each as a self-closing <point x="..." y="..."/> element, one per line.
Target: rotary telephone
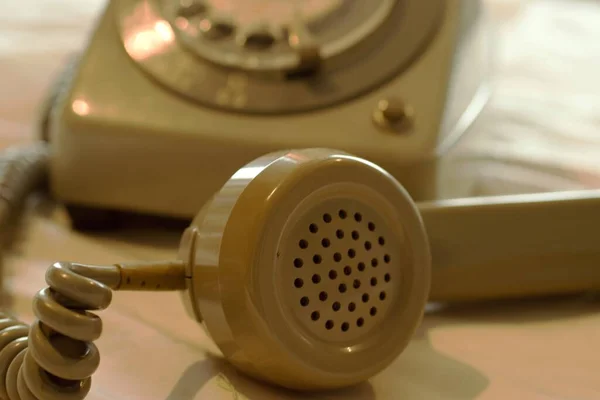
<point x="168" y="90"/>
<point x="310" y="267"/>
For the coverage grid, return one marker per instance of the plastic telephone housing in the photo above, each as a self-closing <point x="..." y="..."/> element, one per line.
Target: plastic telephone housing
<point x="122" y="141"/>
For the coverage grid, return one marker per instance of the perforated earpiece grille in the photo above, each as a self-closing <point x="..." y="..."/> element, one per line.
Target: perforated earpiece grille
<point x="311" y="269"/>
<point x="340" y="270"/>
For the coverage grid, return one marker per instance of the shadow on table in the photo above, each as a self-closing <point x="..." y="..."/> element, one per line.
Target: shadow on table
<point x="420" y="372"/>
<point x="242" y="387"/>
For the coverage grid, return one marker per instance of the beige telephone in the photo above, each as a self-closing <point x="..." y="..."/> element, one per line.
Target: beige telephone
<point x="311" y="269"/>
<point x="167" y="91"/>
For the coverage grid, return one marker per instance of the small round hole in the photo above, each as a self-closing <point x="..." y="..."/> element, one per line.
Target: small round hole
<point x="357" y="217"/>
<point x="387" y="258"/>
<point x="298" y="263"/>
<point x="360" y="322"/>
<point x="304" y="301"/>
<point x="303" y="244"/>
<point x="343" y="214"/>
<point x="381" y="240"/>
<point x="382" y="296"/>
<point x="355" y="235"/>
<point x="323" y="296"/>
<point x="329" y="324"/>
<point x="387" y="277"/>
<point x="316" y="278"/>
<point x="315" y="316"/>
<point x="373" y="311"/>
<point x="220" y="30"/>
<point x="336" y="306"/>
<point x="298" y="283"/>
<point x="345" y="326"/>
<point x="365" y="297"/>
<point x="356" y="284"/>
<point x="347" y="270"/>
<point x="339" y="233"/>
<point x="317" y="259"/>
<point x="337" y="257"/>
<point x="342" y="288"/>
<point x="374" y="262"/>
<point x="368" y="245"/>
<point x="371" y="226"/>
<point x="373" y="281"/>
<point x="351" y="307"/>
<point x="325" y="243"/>
<point x="351" y="253"/>
<point x="259" y="41"/>
<point x="313" y="228"/>
<point x="192" y="9"/>
<point x="332" y="274"/>
<point x="361" y="266"/>
<point x="327" y="218"/>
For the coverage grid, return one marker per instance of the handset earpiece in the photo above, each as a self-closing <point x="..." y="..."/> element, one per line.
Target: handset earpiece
<point x="311" y="269"/>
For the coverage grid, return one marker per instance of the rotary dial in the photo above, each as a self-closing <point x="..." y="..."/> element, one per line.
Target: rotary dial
<point x="263" y="35"/>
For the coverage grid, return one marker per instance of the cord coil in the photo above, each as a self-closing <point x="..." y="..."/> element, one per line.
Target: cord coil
<point x="23" y="169"/>
<point x="54" y="358"/>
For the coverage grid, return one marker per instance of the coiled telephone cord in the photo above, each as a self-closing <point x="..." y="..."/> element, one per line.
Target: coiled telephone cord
<point x="23" y="169"/>
<point x="55" y="357"/>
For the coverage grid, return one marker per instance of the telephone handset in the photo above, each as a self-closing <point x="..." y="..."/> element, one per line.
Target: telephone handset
<point x="166" y="90"/>
<point x="310" y="269"/>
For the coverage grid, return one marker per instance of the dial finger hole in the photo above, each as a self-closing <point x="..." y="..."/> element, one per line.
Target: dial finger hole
<point x="261" y="41"/>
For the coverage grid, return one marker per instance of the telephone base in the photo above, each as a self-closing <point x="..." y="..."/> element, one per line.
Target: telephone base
<point x="122" y="141"/>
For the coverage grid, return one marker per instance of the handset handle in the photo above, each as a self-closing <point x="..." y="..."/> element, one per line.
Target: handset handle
<point x="514" y="246"/>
